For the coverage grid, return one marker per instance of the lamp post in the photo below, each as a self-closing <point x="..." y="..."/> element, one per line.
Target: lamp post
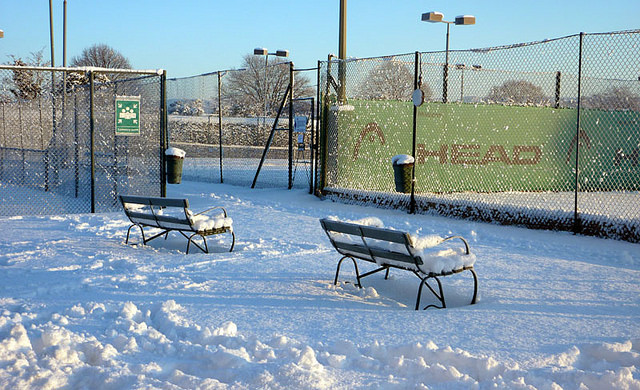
<point x="261" y="51"/>
<point x="462" y="67"/>
<point x="437" y="17"/>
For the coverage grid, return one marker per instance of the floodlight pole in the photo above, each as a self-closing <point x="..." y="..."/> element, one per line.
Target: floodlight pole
<point x="445" y="81"/>
<point x="437" y="17"/>
<point x="261" y="51"/>
<point x="342" y="53"/>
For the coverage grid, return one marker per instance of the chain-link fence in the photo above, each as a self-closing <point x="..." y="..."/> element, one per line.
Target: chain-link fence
<point x="544" y="134"/>
<point x="62" y="149"/>
<point x="234" y="125"/>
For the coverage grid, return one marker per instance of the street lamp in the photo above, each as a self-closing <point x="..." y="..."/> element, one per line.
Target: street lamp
<point x="461" y="68"/>
<point x="437" y="17"/>
<point x="262" y="51"/>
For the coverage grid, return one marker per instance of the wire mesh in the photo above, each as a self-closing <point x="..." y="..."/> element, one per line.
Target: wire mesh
<point x="374" y="124"/>
<point x="45" y="141"/>
<point x="542" y="134"/>
<point x="225" y="120"/>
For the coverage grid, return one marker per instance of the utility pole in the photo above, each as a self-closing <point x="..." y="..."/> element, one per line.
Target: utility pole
<point x="342" y="53"/>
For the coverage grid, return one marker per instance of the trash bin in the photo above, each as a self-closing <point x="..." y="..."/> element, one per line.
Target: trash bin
<point x="175" y="159"/>
<point x="402" y="172"/>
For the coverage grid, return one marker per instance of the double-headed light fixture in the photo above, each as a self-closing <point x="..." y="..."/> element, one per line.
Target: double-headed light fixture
<point x="262" y="51"/>
<point x="437" y="17"/>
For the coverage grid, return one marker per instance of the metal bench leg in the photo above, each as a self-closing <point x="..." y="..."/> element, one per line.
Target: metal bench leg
<point x="233" y="242"/>
<point x="475" y="285"/>
<point x="128" y="231"/>
<point x="424" y="281"/>
<point x="206" y="247"/>
<point x="144" y="241"/>
<point x="335" y="281"/>
<point x="190" y="240"/>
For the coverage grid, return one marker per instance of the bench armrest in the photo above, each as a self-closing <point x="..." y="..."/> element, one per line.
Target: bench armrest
<point x="466" y="244"/>
<point x="213" y="208"/>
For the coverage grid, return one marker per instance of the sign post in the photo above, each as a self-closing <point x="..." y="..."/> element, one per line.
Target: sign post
<point x="127" y="115"/>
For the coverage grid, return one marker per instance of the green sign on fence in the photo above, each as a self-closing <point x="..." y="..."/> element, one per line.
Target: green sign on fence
<point x="127" y="115"/>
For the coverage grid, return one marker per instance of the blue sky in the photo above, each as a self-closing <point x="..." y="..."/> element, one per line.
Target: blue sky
<point x="193" y="37"/>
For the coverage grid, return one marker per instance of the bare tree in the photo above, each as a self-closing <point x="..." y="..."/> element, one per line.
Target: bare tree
<point x="247" y="91"/>
<point x="391" y="80"/>
<point x="99" y="55"/>
<point x="518" y="92"/>
<point x="614" y="98"/>
<point x="102" y="56"/>
<point x="28" y="84"/>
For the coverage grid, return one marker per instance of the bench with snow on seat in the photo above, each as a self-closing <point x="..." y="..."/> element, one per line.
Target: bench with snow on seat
<point x="367" y="240"/>
<point x="172" y="214"/>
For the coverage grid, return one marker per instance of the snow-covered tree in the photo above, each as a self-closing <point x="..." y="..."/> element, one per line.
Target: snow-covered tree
<point x="614" y="98"/>
<point x="517" y="92"/>
<point x="391" y="80"/>
<point x="186" y="107"/>
<point x="245" y="90"/>
<point x="28" y="84"/>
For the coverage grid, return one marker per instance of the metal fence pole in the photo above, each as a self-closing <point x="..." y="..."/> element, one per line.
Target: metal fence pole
<point x="4" y="143"/>
<point x="76" y="152"/>
<point x="92" y="142"/>
<point x="576" y="216"/>
<point x="557" y="102"/>
<point x="311" y="151"/>
<point x="220" y="122"/>
<point x="316" y="140"/>
<point x="291" y="81"/>
<point x="164" y="133"/>
<point x="412" y="202"/>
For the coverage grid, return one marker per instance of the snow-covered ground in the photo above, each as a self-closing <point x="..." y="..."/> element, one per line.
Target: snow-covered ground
<point x="80" y="309"/>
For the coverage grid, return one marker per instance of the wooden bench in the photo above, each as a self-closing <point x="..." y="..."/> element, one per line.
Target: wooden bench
<point x="391" y="249"/>
<point x="171" y="214"/>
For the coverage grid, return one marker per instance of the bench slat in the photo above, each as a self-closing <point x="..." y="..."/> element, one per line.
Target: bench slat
<point x="155" y="201"/>
<point x="382" y="254"/>
<point x="162" y="218"/>
<point x="384" y="234"/>
<point x="340" y="227"/>
<point x="360" y="249"/>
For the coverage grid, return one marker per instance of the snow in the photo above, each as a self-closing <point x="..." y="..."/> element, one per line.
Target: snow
<point x="402" y="159"/>
<point x="202" y="222"/>
<point x="80" y="309"/>
<point x="173" y="151"/>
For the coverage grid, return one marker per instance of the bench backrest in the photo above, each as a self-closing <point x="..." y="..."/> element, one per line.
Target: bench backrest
<point x="168" y="213"/>
<point x="369" y="243"/>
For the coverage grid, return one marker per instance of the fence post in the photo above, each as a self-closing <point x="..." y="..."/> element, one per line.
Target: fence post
<point x="412" y="202"/>
<point x="164" y="133"/>
<point x="91" y="143"/>
<point x="557" y="103"/>
<point x="220" y="122"/>
<point x="576" y="217"/>
<point x="291" y="125"/>
<point x="323" y="137"/>
<point x="312" y="154"/>
<point x="316" y="140"/>
<point x="76" y="152"/>
<point x="4" y="143"/>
